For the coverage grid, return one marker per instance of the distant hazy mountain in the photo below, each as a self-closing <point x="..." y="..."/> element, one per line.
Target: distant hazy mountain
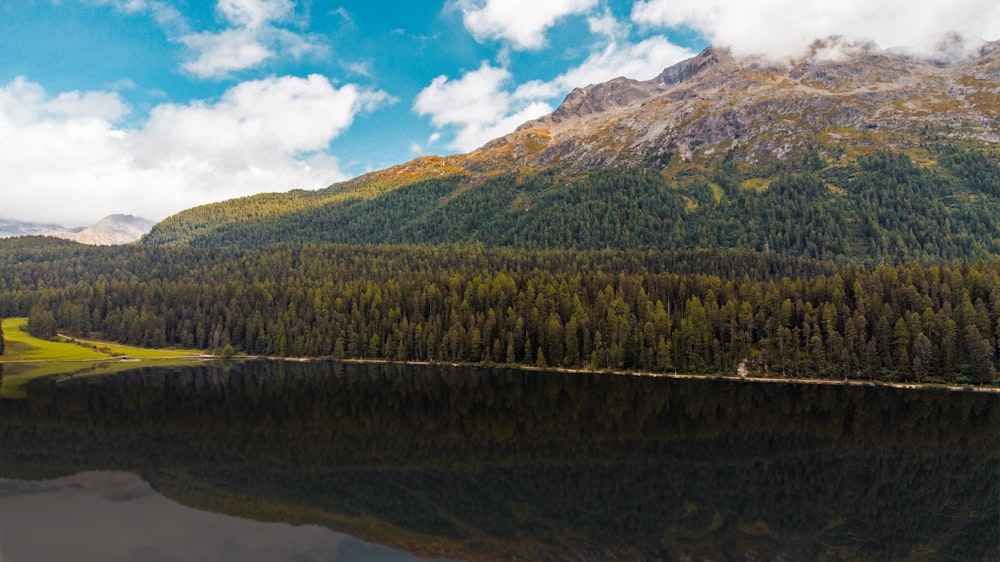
<point x="111" y="230"/>
<point x="9" y="228"/>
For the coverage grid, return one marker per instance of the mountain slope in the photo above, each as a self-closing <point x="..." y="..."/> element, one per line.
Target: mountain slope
<point x="850" y="152"/>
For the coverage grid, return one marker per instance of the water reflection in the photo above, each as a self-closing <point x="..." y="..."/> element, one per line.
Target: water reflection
<point x="116" y="517"/>
<point x="492" y="464"/>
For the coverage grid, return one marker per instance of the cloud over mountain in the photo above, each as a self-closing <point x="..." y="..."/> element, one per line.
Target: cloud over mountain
<point x="785" y="28"/>
<point x="488" y="102"/>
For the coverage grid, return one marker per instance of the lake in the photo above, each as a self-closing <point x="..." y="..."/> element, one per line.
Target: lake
<point x="349" y="462"/>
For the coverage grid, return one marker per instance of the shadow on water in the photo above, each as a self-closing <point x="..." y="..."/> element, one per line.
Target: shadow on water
<point x="484" y="464"/>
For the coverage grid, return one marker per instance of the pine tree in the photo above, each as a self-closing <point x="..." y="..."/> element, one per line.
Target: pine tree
<point x="41" y="322"/>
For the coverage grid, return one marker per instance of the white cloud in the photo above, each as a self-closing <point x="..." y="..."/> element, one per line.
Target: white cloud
<point x="132" y="5"/>
<point x="483" y="104"/>
<point x="296" y="45"/>
<point x="474" y="97"/>
<point x="607" y="25"/>
<point x="252" y="14"/>
<point x="224" y="52"/>
<point x="783" y="28"/>
<point x="343" y="13"/>
<point x="98" y="106"/>
<point x="67" y="160"/>
<point x="521" y="22"/>
<point x="253" y="37"/>
<point x="477" y="105"/>
<point x="122" y="84"/>
<point x="253" y="34"/>
<point x="639" y="61"/>
<point x="254" y="122"/>
<point x="165" y="15"/>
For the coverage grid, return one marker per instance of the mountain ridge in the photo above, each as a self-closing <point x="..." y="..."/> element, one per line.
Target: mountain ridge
<point x="714" y="97"/>
<point x="712" y="126"/>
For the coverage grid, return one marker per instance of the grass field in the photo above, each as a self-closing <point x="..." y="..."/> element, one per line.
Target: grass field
<point x="26" y="357"/>
<point x="22" y="346"/>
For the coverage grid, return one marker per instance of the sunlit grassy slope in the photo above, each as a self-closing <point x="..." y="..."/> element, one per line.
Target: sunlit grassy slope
<point x="22" y="346"/>
<point x="27" y="357"/>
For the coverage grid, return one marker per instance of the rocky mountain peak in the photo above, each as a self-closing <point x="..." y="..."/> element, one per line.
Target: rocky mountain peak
<point x="597" y="99"/>
<point x="601" y="98"/>
<point x="985" y="66"/>
<point x="710" y="58"/>
<point x="843" y="92"/>
<point x="843" y="96"/>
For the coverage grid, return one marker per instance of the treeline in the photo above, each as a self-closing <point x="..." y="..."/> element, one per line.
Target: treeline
<point x="599" y="310"/>
<point x="880" y="207"/>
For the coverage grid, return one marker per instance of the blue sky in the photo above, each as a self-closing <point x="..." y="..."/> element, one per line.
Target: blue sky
<point x="153" y="106"/>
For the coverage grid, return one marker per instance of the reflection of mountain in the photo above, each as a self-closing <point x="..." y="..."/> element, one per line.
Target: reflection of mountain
<point x="71" y="520"/>
<point x="112" y="486"/>
<point x="509" y="465"/>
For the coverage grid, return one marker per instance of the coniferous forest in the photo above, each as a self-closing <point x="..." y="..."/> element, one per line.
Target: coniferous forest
<point x="883" y="268"/>
<point x="698" y="311"/>
<point x="940" y="205"/>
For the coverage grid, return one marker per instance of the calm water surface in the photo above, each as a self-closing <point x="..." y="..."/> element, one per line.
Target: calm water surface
<point x="345" y="462"/>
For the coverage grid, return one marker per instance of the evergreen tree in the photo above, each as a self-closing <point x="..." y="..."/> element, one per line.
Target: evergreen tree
<point x="41" y="322"/>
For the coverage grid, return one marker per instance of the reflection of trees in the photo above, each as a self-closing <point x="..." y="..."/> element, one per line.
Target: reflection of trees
<point x="522" y="463"/>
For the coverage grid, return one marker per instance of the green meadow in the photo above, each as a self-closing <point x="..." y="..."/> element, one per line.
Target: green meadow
<point x="21" y="346"/>
<point x="26" y="357"/>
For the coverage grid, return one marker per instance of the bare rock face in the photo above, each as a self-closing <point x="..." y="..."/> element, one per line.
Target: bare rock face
<point x="842" y="96"/>
<point x="582" y="103"/>
<point x="842" y="93"/>
<point x="987" y="65"/>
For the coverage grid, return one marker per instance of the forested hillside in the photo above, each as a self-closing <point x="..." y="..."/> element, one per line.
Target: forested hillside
<point x="653" y="311"/>
<point x="832" y="217"/>
<point x="867" y="156"/>
<point x="881" y="207"/>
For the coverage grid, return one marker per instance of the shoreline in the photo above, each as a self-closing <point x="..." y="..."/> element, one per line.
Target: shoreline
<point x="120" y="354"/>
<point x="139" y="362"/>
<point x="679" y="376"/>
